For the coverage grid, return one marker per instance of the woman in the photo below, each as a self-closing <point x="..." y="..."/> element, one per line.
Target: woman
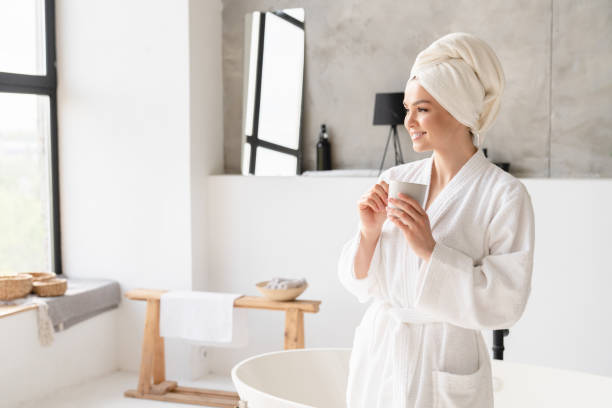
<point x="439" y="275"/>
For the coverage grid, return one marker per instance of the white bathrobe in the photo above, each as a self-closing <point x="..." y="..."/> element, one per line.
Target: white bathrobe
<point x="419" y="343"/>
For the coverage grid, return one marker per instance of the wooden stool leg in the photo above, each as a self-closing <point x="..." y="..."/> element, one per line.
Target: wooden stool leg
<point x="294" y="329"/>
<point x="151" y="330"/>
<point x="159" y="359"/>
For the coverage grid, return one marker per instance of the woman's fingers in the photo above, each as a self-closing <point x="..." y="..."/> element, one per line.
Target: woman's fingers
<point x="368" y="201"/>
<point x="404" y="217"/>
<point x="397" y="221"/>
<point x="363" y="202"/>
<point x="408" y="205"/>
<point x="404" y="208"/>
<point x="382" y="193"/>
<point x="415" y="204"/>
<point x="385" y="186"/>
<point x="376" y="198"/>
<point x="377" y="193"/>
<point x="380" y="205"/>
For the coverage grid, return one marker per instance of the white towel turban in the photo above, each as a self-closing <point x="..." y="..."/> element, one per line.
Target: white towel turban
<point x="465" y="77"/>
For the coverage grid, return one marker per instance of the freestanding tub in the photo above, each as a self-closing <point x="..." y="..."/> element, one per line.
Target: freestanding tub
<point x="317" y="378"/>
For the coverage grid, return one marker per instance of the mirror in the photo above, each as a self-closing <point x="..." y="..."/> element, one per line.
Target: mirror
<point x="272" y="92"/>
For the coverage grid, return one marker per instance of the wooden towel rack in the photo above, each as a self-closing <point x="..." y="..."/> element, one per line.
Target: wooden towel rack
<point x="152" y="383"/>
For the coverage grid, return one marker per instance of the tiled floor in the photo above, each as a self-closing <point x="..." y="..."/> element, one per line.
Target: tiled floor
<point x="107" y="392"/>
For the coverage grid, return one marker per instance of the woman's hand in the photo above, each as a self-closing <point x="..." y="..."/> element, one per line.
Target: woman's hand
<point x="413" y="221"/>
<point x="371" y="206"/>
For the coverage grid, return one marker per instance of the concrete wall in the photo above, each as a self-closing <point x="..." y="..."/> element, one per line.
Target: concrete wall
<point x="554" y="119"/>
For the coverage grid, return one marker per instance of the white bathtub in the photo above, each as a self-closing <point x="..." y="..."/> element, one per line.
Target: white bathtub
<point x="316" y="378"/>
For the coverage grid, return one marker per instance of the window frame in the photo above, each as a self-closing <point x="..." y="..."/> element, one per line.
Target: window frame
<point x="253" y="139"/>
<point x="45" y="85"/>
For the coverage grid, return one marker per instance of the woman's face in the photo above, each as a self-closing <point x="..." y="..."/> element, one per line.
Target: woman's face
<point x="430" y="126"/>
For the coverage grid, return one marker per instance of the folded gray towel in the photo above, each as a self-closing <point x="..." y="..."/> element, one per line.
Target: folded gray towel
<point x="84" y="298"/>
<point x="284" y="283"/>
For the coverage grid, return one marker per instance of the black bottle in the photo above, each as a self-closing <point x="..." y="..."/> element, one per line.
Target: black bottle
<point x="323" y="150"/>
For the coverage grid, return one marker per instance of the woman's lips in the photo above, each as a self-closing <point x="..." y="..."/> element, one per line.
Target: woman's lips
<point x="417" y="135"/>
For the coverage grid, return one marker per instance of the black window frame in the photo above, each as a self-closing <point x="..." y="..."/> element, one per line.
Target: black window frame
<point x="253" y="139"/>
<point x="45" y="85"/>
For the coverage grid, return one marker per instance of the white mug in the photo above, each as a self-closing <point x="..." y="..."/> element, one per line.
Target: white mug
<point x="414" y="190"/>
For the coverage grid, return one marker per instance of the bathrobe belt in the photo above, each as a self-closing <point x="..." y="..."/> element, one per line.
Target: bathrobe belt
<point x="411" y="315"/>
<point x="405" y="340"/>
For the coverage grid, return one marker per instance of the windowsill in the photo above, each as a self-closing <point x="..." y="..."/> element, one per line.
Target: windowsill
<point x="84" y="299"/>
<point x="6" y="310"/>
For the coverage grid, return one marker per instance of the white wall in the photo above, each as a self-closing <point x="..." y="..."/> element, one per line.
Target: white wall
<point x="567" y="320"/>
<point x="261" y="227"/>
<point x="29" y="370"/>
<point x="296" y="227"/>
<point x="140" y="128"/>
<point x="206" y="121"/>
<point x="123" y="112"/>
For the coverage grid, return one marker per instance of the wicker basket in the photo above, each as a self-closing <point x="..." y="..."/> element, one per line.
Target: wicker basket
<point x="39" y="276"/>
<point x="50" y="287"/>
<point x="15" y="286"/>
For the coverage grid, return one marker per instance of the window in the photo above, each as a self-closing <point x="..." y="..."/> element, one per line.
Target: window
<point x="29" y="189"/>
<point x="274" y="74"/>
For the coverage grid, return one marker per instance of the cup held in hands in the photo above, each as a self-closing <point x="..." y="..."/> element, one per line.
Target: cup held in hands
<point x="414" y="190"/>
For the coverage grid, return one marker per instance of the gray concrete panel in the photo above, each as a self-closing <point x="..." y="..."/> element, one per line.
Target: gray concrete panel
<point x="356" y="48"/>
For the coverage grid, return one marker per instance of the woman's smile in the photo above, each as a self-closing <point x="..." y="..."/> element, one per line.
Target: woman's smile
<point x="416" y="135"/>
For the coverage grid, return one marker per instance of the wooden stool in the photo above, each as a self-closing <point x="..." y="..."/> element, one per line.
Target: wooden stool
<point x="152" y="382"/>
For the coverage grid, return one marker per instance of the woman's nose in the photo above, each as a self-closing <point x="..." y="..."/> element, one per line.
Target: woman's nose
<point x="409" y="121"/>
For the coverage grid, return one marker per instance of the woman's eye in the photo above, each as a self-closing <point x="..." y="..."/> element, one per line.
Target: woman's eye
<point x="418" y="109"/>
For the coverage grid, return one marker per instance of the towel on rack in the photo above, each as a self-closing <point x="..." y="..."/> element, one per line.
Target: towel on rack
<point x="207" y="318"/>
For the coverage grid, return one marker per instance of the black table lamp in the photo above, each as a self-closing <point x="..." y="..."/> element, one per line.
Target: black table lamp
<point x="389" y="110"/>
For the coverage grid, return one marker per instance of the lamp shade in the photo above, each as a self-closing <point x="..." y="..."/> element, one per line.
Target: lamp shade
<point x="389" y="109"/>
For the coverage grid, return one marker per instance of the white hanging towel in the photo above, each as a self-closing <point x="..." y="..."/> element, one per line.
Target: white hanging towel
<point x="207" y="318"/>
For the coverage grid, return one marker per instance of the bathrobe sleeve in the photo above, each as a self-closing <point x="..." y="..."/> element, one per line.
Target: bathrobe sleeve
<point x="370" y="286"/>
<point x="493" y="294"/>
<point x="364" y="288"/>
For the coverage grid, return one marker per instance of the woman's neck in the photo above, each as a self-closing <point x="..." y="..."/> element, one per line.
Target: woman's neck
<point x="447" y="163"/>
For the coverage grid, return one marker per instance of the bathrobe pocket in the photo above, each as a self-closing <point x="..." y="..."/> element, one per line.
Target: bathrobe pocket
<point x="463" y="390"/>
